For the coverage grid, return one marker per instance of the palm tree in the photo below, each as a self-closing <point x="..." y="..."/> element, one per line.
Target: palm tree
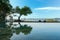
<point x="5" y="8"/>
<point x="23" y="11"/>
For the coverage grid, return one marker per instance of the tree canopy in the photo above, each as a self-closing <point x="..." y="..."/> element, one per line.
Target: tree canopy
<point x="23" y="11"/>
<point x="5" y="7"/>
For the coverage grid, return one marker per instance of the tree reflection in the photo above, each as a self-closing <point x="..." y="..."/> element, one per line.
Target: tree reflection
<point x="18" y="28"/>
<point x="24" y="29"/>
<point x="5" y="32"/>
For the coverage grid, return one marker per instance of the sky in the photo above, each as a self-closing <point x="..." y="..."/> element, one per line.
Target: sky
<point x="40" y="8"/>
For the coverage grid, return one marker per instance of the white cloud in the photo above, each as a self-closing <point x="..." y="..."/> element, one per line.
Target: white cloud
<point x="48" y="8"/>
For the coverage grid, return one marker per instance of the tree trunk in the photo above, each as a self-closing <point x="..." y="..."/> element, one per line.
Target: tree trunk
<point x="19" y="18"/>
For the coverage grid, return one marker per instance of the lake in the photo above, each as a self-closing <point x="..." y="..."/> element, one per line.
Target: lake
<point x="29" y="31"/>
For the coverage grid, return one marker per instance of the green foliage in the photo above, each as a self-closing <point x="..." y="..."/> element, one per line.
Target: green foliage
<point x="25" y="10"/>
<point x="5" y="8"/>
<point x="17" y="9"/>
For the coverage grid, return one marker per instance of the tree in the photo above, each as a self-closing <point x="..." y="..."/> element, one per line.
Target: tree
<point x="5" y="8"/>
<point x="23" y="11"/>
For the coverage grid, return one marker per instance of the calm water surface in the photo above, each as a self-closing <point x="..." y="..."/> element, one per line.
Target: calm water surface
<point x="29" y="31"/>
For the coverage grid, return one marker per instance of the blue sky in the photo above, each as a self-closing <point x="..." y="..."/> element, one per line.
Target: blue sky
<point x="40" y="8"/>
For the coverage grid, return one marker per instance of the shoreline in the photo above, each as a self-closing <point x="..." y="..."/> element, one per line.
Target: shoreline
<point x="35" y="22"/>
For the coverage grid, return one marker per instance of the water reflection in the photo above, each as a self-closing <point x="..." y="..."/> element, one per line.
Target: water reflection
<point x="24" y="29"/>
<point x="7" y="30"/>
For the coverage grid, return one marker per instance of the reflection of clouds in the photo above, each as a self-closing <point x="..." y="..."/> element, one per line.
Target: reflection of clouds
<point x="13" y="24"/>
<point x="8" y="23"/>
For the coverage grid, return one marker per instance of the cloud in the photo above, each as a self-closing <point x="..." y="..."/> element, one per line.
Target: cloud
<point x="48" y="8"/>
